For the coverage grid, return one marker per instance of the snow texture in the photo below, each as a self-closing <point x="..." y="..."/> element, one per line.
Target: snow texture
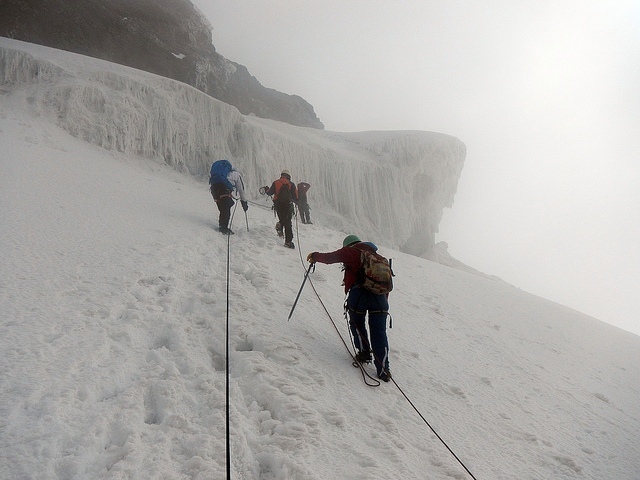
<point x="114" y="309"/>
<point x="395" y="184"/>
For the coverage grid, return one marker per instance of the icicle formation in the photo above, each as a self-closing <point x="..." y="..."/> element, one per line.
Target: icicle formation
<point x="393" y="185"/>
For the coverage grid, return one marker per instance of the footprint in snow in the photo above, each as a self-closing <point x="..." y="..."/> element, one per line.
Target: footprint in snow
<point x="458" y="391"/>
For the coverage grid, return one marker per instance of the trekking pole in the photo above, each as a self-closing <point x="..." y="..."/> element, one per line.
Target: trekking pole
<point x="306" y="275"/>
<point x="247" y="218"/>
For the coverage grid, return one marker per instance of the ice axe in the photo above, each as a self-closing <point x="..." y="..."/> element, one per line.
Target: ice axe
<point x="306" y="275"/>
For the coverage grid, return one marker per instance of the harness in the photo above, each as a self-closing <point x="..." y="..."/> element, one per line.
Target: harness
<point x="220" y="191"/>
<point x="347" y="307"/>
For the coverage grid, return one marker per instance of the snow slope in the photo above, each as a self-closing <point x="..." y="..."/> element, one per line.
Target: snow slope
<point x="409" y="179"/>
<point x="113" y="308"/>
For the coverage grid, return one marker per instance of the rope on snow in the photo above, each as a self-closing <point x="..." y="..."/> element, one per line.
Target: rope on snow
<point x="365" y="374"/>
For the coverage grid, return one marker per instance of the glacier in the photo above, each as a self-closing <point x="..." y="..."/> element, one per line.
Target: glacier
<point x="388" y="186"/>
<point x="114" y="311"/>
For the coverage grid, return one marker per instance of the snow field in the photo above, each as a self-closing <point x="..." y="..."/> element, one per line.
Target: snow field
<point x="113" y="312"/>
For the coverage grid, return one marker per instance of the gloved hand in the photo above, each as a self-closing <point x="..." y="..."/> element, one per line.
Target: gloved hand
<point x="245" y="205"/>
<point x="310" y="258"/>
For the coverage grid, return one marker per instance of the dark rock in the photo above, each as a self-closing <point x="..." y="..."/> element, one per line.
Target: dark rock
<point x="166" y="37"/>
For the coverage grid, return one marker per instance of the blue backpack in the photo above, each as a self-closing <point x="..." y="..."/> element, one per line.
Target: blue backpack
<point x="219" y="171"/>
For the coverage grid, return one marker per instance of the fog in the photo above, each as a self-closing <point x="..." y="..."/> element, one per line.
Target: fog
<point x="116" y="316"/>
<point x="544" y="95"/>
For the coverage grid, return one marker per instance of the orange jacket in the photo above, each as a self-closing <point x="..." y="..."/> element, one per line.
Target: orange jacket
<point x="275" y="187"/>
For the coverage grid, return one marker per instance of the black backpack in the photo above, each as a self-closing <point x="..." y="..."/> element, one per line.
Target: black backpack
<point x="285" y="195"/>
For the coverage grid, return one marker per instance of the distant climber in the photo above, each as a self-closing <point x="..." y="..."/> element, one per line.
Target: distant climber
<point x="361" y="300"/>
<point x="223" y="180"/>
<point x="303" y="204"/>
<point x="285" y="195"/>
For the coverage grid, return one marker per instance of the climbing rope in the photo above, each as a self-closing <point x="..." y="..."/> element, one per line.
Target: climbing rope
<point x="366" y="374"/>
<point x="367" y="378"/>
<point x="227" y="396"/>
<point x="259" y="204"/>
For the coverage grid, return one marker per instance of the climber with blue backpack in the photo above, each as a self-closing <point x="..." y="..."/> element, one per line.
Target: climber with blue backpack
<point x="367" y="283"/>
<point x="223" y="180"/>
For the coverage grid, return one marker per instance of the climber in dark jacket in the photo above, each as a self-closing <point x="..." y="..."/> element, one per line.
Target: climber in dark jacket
<point x="303" y="204"/>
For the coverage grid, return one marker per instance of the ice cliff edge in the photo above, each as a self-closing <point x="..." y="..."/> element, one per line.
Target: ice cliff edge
<point x="390" y="187"/>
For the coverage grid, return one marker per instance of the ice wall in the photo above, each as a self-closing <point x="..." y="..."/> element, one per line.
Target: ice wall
<point x="390" y="187"/>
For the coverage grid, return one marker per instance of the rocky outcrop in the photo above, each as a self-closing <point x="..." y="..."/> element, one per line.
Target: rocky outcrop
<point x="170" y="38"/>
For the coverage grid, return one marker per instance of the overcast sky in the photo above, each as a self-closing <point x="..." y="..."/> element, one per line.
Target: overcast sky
<point x="545" y="95"/>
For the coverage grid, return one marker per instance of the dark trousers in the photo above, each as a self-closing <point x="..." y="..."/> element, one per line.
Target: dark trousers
<point x="224" y="206"/>
<point x="359" y="302"/>
<point x="285" y="212"/>
<point x="222" y="196"/>
<point x="303" y="207"/>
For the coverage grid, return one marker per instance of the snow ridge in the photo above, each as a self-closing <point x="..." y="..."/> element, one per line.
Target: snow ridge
<point x="397" y="199"/>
